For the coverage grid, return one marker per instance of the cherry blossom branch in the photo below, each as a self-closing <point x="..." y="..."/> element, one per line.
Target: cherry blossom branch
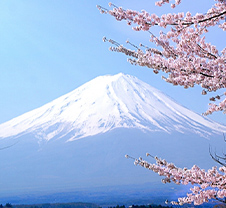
<point x="146" y="21"/>
<point x="219" y="159"/>
<point x="177" y="2"/>
<point x="184" y="55"/>
<point x="209" y="184"/>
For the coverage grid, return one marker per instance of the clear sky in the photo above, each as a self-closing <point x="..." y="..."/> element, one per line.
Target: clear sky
<point x="50" y="47"/>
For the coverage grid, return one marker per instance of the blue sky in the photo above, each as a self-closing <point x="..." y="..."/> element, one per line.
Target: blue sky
<point x="48" y="48"/>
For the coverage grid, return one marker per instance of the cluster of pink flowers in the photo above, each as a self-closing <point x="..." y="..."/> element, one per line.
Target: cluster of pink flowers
<point x="161" y="2"/>
<point x="209" y="185"/>
<point x="183" y="53"/>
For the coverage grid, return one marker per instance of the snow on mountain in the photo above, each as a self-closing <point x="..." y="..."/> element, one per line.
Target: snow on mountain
<point x="106" y="103"/>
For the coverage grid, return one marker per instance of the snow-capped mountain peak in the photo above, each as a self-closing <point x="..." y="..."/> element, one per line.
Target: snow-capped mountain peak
<point x="105" y="103"/>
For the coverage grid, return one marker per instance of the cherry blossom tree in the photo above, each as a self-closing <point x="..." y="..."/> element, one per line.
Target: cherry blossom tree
<point x="187" y="59"/>
<point x="181" y="52"/>
<point x="208" y="185"/>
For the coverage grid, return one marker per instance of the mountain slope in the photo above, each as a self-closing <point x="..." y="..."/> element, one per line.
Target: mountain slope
<point x="105" y="103"/>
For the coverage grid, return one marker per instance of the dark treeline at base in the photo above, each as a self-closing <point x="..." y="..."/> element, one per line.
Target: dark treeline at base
<point x="75" y="205"/>
<point x="92" y="205"/>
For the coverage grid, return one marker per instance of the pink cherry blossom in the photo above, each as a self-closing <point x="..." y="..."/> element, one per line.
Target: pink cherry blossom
<point x="183" y="52"/>
<point x="209" y="184"/>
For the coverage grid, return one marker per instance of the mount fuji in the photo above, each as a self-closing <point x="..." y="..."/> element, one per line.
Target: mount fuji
<point x="79" y="140"/>
<point x="106" y="103"/>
